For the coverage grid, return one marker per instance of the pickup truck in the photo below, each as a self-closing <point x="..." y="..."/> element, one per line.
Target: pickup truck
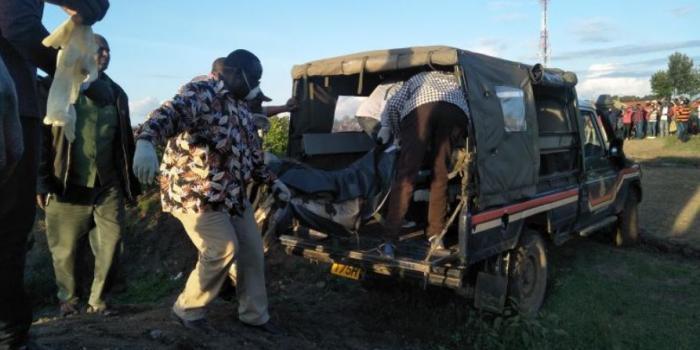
<point x="538" y="167"/>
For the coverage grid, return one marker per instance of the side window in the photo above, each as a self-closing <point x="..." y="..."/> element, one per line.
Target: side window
<point x="513" y="108"/>
<point x="593" y="145"/>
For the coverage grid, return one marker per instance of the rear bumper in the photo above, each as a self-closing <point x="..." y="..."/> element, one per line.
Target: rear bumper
<point x="443" y="275"/>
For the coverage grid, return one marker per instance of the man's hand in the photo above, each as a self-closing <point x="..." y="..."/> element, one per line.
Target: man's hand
<point x="281" y="191"/>
<point x="42" y="200"/>
<point x="86" y="12"/>
<point x="145" y="162"/>
<point x="292" y="104"/>
<point x="384" y="135"/>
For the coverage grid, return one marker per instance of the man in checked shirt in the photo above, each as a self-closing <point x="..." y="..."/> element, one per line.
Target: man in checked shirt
<point x="429" y="111"/>
<point x="213" y="152"/>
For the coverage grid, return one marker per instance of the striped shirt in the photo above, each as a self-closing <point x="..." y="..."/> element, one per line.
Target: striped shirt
<point x="422" y="88"/>
<point x="682" y="114"/>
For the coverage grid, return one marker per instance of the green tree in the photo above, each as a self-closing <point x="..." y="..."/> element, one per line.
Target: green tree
<point x="276" y="138"/>
<point x="661" y="84"/>
<point x="682" y="76"/>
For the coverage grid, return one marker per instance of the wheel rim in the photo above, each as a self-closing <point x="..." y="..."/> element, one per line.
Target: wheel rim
<point x="528" y="276"/>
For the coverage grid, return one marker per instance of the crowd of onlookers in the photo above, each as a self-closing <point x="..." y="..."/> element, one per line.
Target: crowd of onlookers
<point x="650" y="119"/>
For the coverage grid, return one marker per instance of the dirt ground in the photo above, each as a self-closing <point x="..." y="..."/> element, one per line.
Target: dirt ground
<point x="670" y="209"/>
<point x="317" y="311"/>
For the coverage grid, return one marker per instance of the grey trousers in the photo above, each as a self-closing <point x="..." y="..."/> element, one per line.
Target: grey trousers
<point x="97" y="212"/>
<point x="222" y="239"/>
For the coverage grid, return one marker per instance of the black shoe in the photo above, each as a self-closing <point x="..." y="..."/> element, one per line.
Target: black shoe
<point x="267" y="327"/>
<point x="200" y="325"/>
<point x="67" y="309"/>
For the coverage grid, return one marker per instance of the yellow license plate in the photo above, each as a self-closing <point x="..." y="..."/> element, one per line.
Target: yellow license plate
<point x="346" y="271"/>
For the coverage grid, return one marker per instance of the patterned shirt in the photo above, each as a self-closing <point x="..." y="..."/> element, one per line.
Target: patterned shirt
<point x="212" y="151"/>
<point x="422" y="88"/>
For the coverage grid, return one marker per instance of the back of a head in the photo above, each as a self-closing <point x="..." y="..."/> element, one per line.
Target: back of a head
<point x="247" y="61"/>
<point x="218" y="65"/>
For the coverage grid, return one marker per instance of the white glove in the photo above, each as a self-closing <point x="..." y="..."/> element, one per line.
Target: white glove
<point x="145" y="162"/>
<point x="281" y="191"/>
<point x="384" y="135"/>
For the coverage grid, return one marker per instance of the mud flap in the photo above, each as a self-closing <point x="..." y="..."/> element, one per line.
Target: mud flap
<point x="490" y="292"/>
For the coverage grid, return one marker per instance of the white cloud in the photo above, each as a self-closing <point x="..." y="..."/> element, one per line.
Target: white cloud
<point x="598" y="80"/>
<point x="489" y="46"/>
<point x="593" y="30"/>
<point x="140" y="108"/>
<point x="683" y="11"/>
<point x="510" y="16"/>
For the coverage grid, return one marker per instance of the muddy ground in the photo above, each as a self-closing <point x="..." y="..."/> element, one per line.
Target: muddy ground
<point x="317" y="311"/>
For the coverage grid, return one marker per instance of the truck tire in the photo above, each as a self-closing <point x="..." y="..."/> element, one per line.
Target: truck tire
<point x="627" y="231"/>
<point x="527" y="280"/>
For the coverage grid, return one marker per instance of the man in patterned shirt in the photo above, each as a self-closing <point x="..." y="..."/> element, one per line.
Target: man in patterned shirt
<point x="429" y="111"/>
<point x="212" y="153"/>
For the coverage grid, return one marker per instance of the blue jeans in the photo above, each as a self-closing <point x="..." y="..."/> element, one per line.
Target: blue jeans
<point x="682" y="130"/>
<point x="651" y="128"/>
<point x="663" y="128"/>
<point x="639" y="130"/>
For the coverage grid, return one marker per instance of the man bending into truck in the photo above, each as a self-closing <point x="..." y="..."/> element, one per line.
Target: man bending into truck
<point x="429" y="111"/>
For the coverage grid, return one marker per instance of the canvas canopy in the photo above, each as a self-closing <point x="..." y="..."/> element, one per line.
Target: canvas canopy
<point x="378" y="61"/>
<point x="500" y="93"/>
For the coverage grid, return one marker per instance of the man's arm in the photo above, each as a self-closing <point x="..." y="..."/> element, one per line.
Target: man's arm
<point x="20" y="24"/>
<point x="172" y="117"/>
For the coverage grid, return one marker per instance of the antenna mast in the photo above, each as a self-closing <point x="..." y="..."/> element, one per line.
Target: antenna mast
<point x="544" y="35"/>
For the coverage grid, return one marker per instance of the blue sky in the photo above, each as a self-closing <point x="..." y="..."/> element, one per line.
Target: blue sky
<point x="613" y="45"/>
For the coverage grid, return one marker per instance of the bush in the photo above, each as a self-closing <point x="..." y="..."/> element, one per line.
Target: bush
<point x="276" y="139"/>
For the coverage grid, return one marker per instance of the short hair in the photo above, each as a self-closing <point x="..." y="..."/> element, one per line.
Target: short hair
<point x="218" y="65"/>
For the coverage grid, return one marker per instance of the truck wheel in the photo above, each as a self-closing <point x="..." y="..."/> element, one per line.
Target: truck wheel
<point x="627" y="232"/>
<point x="527" y="280"/>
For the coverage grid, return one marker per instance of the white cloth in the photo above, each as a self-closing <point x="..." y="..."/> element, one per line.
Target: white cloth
<point x="664" y="113"/>
<point x="75" y="65"/>
<point x="373" y="106"/>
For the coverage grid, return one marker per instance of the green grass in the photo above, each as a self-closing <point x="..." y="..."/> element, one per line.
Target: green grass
<point x="692" y="145"/>
<point x="608" y="298"/>
<point x="599" y="297"/>
<point x="148" y="289"/>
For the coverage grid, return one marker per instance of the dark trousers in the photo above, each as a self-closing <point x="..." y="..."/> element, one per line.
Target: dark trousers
<point x="433" y="125"/>
<point x="96" y="212"/>
<point x="17" y="210"/>
<point x="628" y="130"/>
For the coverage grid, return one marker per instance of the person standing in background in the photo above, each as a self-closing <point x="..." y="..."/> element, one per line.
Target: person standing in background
<point x="627" y="122"/>
<point x="638" y="118"/>
<point x="663" y="119"/>
<point x="83" y="186"/>
<point x="652" y="118"/>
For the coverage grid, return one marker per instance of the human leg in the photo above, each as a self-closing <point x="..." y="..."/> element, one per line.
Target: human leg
<point x="250" y="270"/>
<point x="17" y="211"/>
<point x="109" y="220"/>
<point x="213" y="235"/>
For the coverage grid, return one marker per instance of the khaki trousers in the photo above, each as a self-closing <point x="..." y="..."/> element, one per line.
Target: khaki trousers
<point x="222" y="239"/>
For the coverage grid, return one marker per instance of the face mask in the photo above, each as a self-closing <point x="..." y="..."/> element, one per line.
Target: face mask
<point x="253" y="93"/>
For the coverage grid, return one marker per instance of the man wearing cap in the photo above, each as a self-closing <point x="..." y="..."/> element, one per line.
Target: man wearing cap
<point x="212" y="152"/>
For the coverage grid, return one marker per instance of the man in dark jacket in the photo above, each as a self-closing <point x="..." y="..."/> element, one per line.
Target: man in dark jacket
<point x="86" y="182"/>
<point x="21" y="33"/>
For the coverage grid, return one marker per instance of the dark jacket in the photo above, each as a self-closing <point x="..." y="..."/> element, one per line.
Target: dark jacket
<point x="55" y="153"/>
<point x="21" y="33"/>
